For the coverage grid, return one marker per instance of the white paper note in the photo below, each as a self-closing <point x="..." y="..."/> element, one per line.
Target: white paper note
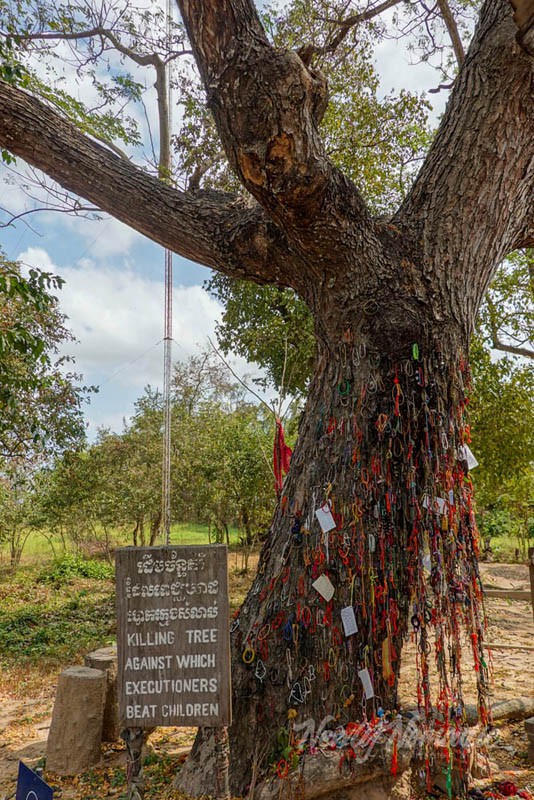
<point x="348" y="618"/>
<point x="325" y="518"/>
<point x="365" y="678"/>
<point x="438" y="504"/>
<point x="465" y="454"/>
<point x="324" y="586"/>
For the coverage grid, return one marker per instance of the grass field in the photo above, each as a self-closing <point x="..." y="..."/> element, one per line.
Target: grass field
<point x="41" y="547"/>
<point x="52" y="611"/>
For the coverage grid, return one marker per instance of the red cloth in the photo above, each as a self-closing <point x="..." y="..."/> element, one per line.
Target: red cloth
<point x="507" y="788"/>
<point x="281" y="456"/>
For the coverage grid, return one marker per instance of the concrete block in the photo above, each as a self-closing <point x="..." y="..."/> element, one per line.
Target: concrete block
<point x="105" y="659"/>
<point x="76" y="728"/>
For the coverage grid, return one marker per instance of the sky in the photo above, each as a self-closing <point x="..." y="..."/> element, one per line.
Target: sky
<point x="113" y="293"/>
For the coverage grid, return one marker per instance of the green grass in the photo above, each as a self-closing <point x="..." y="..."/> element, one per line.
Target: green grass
<point x="504" y="548"/>
<point x="41" y="548"/>
<point x="191" y="533"/>
<point x="59" y="605"/>
<point x="36" y="547"/>
<point x="45" y="626"/>
<point x="53" y="612"/>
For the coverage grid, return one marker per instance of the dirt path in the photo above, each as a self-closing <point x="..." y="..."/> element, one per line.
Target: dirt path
<point x="510" y="622"/>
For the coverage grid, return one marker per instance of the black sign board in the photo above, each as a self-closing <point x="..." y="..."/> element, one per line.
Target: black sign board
<point x="31" y="786"/>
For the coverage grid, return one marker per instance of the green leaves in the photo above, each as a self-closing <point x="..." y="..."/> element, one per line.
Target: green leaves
<point x="105" y="126"/>
<point x="51" y="625"/>
<point x="40" y="408"/>
<point x="221" y="465"/>
<point x="11" y="70"/>
<point x="68" y="567"/>
<point x="269" y="326"/>
<point x="502" y="417"/>
<point x="6" y="156"/>
<point x="507" y="315"/>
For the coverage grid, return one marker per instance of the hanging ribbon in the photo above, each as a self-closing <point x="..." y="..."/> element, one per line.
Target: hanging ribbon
<point x="281" y="457"/>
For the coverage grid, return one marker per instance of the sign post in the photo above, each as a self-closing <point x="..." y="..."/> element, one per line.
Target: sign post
<point x="173" y="641"/>
<point x="531" y="573"/>
<point x="222" y="758"/>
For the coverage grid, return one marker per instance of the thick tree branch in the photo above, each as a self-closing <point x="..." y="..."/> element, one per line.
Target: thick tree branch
<point x="162" y="95"/>
<point x="525" y="234"/>
<point x="524" y="19"/>
<point x="525" y="238"/>
<point x="213" y="228"/>
<point x="267" y="105"/>
<point x="474" y="193"/>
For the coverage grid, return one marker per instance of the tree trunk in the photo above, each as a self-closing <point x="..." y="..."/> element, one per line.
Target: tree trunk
<point x="248" y="538"/>
<point x="141" y="531"/>
<point x="135" y="532"/>
<point x="155" y="525"/>
<point x="379" y="456"/>
<point x="17" y="542"/>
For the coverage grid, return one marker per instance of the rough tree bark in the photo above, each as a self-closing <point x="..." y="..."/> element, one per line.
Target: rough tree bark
<point x="381" y="443"/>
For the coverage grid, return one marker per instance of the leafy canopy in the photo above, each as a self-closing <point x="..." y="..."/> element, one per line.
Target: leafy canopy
<point x="221" y="472"/>
<point x="40" y="400"/>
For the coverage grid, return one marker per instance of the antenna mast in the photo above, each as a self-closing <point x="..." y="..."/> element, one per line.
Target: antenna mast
<point x="167" y="334"/>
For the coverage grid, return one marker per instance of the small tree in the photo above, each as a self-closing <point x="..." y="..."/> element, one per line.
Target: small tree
<point x="15" y="511"/>
<point x="40" y="401"/>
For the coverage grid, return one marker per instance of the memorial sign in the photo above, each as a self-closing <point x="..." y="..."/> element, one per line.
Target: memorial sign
<point x="173" y="636"/>
<point x="31" y="786"/>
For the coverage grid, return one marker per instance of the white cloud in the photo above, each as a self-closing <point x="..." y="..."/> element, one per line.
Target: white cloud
<point x="117" y="316"/>
<point x="104" y="238"/>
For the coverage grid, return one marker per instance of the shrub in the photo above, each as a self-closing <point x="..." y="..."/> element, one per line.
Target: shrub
<point x="65" y="569"/>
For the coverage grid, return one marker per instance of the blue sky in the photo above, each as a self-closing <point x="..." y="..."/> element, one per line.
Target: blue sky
<point x="113" y="296"/>
<point x="113" y="293"/>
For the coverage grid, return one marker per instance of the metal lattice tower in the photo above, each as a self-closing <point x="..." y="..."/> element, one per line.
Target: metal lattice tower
<point x="167" y="408"/>
<point x="167" y="335"/>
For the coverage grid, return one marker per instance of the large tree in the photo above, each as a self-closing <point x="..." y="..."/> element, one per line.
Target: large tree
<point x="381" y="451"/>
